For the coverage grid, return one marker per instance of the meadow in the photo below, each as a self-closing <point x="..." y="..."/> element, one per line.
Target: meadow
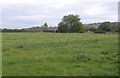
<point x="59" y="54"/>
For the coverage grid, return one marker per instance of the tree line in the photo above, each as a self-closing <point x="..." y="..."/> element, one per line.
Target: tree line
<point x="72" y="24"/>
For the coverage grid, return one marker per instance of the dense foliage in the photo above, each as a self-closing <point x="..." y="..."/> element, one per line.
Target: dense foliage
<point x="108" y="27"/>
<point x="70" y="23"/>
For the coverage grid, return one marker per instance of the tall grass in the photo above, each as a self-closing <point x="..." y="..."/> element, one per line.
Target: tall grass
<point x="60" y="54"/>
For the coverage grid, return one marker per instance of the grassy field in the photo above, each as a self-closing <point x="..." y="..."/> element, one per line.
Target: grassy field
<point x="59" y="54"/>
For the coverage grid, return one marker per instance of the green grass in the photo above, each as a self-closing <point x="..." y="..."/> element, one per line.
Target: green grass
<point x="59" y="54"/>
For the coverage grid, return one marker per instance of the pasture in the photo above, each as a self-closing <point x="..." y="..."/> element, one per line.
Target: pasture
<point x="59" y="54"/>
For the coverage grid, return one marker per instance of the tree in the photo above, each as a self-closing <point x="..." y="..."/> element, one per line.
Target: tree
<point x="70" y="23"/>
<point x="94" y="29"/>
<point x="114" y="27"/>
<point x="62" y="27"/>
<point x="45" y="26"/>
<point x="103" y="27"/>
<point x="108" y="27"/>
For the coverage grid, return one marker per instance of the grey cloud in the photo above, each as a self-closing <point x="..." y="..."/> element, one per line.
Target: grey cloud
<point x="119" y="11"/>
<point x="23" y="15"/>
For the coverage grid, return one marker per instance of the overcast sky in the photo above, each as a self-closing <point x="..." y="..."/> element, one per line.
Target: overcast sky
<point x="28" y="13"/>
